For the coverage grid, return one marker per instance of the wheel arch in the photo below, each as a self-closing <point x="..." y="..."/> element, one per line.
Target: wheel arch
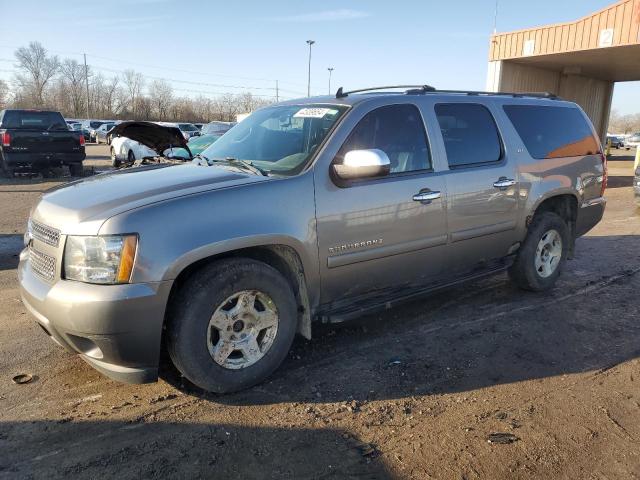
<point x="284" y="258"/>
<point x="563" y="204"/>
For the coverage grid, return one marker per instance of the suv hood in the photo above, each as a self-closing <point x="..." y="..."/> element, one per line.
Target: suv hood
<point x="156" y="137"/>
<point x="81" y="207"/>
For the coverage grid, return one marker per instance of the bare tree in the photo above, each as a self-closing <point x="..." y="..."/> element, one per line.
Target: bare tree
<point x="133" y="82"/>
<point x="73" y="76"/>
<point x="36" y="69"/>
<point x="161" y="95"/>
<point x="4" y="94"/>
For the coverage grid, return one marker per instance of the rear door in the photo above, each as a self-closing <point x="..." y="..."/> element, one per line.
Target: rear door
<point x="482" y="185"/>
<point x="375" y="239"/>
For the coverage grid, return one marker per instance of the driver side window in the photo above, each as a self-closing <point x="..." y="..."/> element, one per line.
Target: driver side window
<point x="398" y="131"/>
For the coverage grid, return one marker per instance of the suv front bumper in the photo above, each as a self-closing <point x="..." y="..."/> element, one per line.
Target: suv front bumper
<point x="117" y="329"/>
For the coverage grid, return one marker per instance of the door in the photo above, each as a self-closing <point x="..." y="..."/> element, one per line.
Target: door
<point x="482" y="186"/>
<point x="381" y="236"/>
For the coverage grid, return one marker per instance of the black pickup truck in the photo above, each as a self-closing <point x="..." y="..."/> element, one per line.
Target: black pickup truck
<point x="35" y="140"/>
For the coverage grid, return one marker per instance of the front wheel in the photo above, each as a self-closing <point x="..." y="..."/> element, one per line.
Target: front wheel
<point x="540" y="259"/>
<point x="231" y="325"/>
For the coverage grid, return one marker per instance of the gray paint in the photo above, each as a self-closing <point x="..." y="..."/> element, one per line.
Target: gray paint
<point x="184" y="214"/>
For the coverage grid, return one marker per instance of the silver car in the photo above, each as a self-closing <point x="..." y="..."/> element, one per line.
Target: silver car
<point x="319" y="209"/>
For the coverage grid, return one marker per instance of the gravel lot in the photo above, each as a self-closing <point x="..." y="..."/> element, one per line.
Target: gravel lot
<point x="415" y="392"/>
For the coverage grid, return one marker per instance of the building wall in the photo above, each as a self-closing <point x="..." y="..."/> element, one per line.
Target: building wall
<point x="593" y="95"/>
<point x="616" y="25"/>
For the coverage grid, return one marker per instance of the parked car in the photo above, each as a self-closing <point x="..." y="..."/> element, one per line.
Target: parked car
<point x="199" y="125"/>
<point x="102" y="133"/>
<point x="633" y="141"/>
<point x="36" y="140"/>
<point x="188" y="129"/>
<point x="320" y="209"/>
<point x="636" y="185"/>
<point x="133" y="141"/>
<point x="217" y="128"/>
<point x="89" y="127"/>
<point x="616" y="142"/>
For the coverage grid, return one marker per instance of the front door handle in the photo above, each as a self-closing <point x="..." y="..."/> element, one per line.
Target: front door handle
<point x="504" y="182"/>
<point x="426" y="196"/>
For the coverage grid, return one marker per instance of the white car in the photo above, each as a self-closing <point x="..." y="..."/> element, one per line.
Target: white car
<point x="125" y="150"/>
<point x="633" y="141"/>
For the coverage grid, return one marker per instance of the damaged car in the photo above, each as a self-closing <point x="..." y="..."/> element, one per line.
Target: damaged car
<point x="136" y="143"/>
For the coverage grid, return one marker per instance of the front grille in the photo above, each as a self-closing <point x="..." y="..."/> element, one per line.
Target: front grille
<point x="42" y="264"/>
<point x="45" y="234"/>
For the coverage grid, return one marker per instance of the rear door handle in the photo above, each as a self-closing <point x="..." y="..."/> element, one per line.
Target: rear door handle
<point x="504" y="182"/>
<point x="426" y="197"/>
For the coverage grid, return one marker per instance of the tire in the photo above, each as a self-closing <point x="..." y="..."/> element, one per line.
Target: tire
<point x="115" y="163"/>
<point x="191" y="337"/>
<point x="530" y="271"/>
<point x="76" y="169"/>
<point x="131" y="157"/>
<point x="5" y="170"/>
<point x="97" y="140"/>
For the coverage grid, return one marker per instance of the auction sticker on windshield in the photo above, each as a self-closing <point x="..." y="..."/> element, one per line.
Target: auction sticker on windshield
<point x="314" y="112"/>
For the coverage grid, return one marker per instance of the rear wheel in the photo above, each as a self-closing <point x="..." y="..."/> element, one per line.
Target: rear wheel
<point x="76" y="169"/>
<point x="543" y="253"/>
<point x="231" y="325"/>
<point x="131" y="157"/>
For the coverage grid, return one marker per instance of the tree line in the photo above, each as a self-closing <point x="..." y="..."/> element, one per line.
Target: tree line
<point x="46" y="81"/>
<point x="624" y="124"/>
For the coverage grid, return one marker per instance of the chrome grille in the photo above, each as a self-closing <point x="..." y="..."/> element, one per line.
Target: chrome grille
<point x="45" y="234"/>
<point x="42" y="264"/>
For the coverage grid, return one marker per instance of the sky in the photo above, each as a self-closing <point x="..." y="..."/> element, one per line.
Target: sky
<point x="213" y="47"/>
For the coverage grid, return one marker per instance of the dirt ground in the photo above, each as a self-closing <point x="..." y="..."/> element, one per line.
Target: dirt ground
<point x="415" y="392"/>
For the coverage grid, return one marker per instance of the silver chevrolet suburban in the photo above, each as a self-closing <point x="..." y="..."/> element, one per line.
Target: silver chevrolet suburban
<point x="319" y="209"/>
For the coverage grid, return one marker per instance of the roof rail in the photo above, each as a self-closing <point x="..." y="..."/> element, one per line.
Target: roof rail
<point x="427" y="89"/>
<point x="422" y="88"/>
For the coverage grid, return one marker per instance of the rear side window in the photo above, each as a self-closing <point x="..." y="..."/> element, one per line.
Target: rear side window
<point x="470" y="134"/>
<point x="398" y="131"/>
<point x="551" y="132"/>
<point x="34" y="120"/>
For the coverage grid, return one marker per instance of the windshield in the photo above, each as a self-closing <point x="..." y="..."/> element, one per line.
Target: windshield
<point x="187" y="127"/>
<point x="278" y="139"/>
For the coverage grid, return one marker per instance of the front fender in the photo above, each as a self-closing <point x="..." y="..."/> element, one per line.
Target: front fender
<point x="178" y="232"/>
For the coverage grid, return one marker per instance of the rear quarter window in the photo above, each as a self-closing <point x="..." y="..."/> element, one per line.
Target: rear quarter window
<point x="552" y="132"/>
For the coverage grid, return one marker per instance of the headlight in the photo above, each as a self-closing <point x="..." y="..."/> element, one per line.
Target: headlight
<point x="102" y="259"/>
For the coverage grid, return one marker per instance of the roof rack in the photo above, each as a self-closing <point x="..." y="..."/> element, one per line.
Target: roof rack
<point x="426" y="89"/>
<point x="422" y="88"/>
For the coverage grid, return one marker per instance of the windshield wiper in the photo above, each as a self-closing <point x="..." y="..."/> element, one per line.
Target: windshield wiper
<point x="242" y="163"/>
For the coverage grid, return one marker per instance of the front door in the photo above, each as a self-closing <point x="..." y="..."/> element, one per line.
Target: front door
<point x="382" y="236"/>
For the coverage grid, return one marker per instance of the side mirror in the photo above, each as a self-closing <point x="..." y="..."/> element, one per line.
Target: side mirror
<point x="363" y="164"/>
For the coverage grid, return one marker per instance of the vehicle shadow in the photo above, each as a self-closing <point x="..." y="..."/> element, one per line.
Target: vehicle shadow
<point x="619" y="181"/>
<point x="465" y="338"/>
<point x="157" y="449"/>
<point x="10" y="247"/>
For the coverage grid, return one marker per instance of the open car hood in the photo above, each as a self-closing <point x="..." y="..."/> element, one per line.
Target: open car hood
<point x="156" y="137"/>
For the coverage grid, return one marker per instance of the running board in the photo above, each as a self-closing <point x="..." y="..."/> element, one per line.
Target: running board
<point x="357" y="309"/>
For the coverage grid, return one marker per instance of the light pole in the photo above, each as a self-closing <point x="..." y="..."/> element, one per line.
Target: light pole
<point x="330" y="72"/>
<point x="309" y="42"/>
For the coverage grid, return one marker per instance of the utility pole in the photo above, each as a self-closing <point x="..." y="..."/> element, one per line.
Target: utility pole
<point x="86" y="81"/>
<point x="277" y="92"/>
<point x="495" y="19"/>
<point x="309" y="42"/>
<point x="331" y="69"/>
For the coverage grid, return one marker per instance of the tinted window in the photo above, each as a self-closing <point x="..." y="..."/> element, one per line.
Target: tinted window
<point x="34" y="120"/>
<point x="550" y="132"/>
<point x="398" y="131"/>
<point x="469" y="132"/>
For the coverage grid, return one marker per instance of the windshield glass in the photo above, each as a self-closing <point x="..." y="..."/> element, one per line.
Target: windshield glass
<point x="278" y="139"/>
<point x="187" y="127"/>
<point x="36" y="120"/>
